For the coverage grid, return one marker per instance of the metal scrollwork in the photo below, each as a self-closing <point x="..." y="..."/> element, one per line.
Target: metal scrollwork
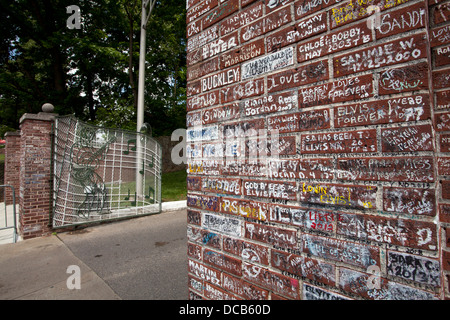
<point x="86" y="154"/>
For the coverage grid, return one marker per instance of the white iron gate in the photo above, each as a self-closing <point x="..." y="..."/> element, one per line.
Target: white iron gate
<point x="95" y="172"/>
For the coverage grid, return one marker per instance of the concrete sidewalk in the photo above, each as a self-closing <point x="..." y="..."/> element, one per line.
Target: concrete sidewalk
<point x="36" y="269"/>
<point x="141" y="258"/>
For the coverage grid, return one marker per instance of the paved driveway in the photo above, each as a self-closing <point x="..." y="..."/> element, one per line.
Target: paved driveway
<point x="143" y="258"/>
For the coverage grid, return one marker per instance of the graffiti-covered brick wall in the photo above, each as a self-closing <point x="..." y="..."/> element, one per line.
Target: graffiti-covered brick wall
<point x="318" y="149"/>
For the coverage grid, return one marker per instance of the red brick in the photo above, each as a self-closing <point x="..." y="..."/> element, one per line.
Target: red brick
<point x="219" y="13"/>
<point x="195" y="283"/>
<point x="194" y="251"/>
<point x="306" y="28"/>
<point x="352" y="253"/>
<point x="301" y="168"/>
<point x="197" y="41"/>
<point x="407" y="139"/>
<point x="345" y="196"/>
<point x="304" y="267"/>
<point x="223" y="262"/>
<point x="191" y="3"/>
<point x="242" y="129"/>
<point x="408" y="78"/>
<point x="243" y="53"/>
<point x="273" y="103"/>
<point x="193" y="29"/>
<point x="250" y="168"/>
<point x="399" y="232"/>
<point x="269" y="189"/>
<point x="245" y="208"/>
<point x="412" y="169"/>
<point x="223" y="78"/>
<point x="266" y="24"/>
<point x="204" y="272"/>
<point x="409" y="108"/>
<point x="216" y="293"/>
<point x="441" y="78"/>
<point x="194" y="183"/>
<point x="353" y="10"/>
<point x="445" y="189"/>
<point x="303" y="8"/>
<point x="414" y="268"/>
<point x="227" y="112"/>
<point x="397" y="51"/>
<point x="339" y="142"/>
<point x="447" y="237"/>
<point x="221" y="185"/>
<point x="193" y="88"/>
<point x="268" y="279"/>
<point x="441" y="13"/>
<point x="245" y="3"/>
<point x="300" y="76"/>
<point x="444" y="142"/>
<point x="311" y="219"/>
<point x="402" y="20"/>
<point x="442" y="121"/>
<point x="446" y="260"/>
<point x="409" y="201"/>
<point x="284" y="238"/>
<point x="444" y="213"/>
<point x="356" y="283"/>
<point x="203" y="69"/>
<point x="442" y="56"/>
<point x="275" y="5"/>
<point x="302" y="121"/>
<point x="242" y="90"/>
<point x="338" y="91"/>
<point x="194" y="217"/>
<point x="242" y="18"/>
<point x="246" y="250"/>
<point x="204" y="167"/>
<point x="220" y="46"/>
<point x="439" y="36"/>
<point x="203" y="202"/>
<point x="271" y="146"/>
<point x="333" y="42"/>
<point x="443" y="165"/>
<point x="243" y="288"/>
<point x="195" y="12"/>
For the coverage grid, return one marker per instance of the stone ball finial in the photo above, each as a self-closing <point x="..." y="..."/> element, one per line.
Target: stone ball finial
<point x="48" y="108"/>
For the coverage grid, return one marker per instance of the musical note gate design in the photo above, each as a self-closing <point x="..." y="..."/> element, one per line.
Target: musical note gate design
<point x="95" y="173"/>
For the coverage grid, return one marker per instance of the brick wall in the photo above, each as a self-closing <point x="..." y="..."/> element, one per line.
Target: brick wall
<point x="318" y="140"/>
<point x="35" y="175"/>
<point x="12" y="165"/>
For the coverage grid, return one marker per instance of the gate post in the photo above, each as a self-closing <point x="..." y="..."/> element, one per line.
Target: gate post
<point x="36" y="176"/>
<point x="12" y="164"/>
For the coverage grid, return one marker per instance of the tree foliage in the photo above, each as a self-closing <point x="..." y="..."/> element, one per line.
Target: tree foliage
<point x="92" y="72"/>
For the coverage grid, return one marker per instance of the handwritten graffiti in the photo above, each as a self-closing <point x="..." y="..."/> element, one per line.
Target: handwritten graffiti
<point x="415" y="268"/>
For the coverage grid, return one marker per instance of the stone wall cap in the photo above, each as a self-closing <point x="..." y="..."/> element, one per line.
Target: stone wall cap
<point x="42" y="116"/>
<point x="12" y="133"/>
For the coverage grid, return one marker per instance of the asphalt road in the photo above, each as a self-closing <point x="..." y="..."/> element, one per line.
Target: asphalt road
<point x="143" y="258"/>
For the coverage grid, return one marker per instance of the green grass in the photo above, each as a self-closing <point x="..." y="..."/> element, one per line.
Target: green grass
<point x="173" y="186"/>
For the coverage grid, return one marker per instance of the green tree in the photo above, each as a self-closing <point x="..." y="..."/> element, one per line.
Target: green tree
<point x="92" y="72"/>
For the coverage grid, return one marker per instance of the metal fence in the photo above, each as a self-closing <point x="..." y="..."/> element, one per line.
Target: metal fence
<point x="8" y="218"/>
<point x="103" y="174"/>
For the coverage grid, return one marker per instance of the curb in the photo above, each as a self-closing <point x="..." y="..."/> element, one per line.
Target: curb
<point x="173" y="206"/>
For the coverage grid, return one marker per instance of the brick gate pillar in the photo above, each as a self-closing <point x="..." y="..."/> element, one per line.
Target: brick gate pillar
<point x="12" y="165"/>
<point x="36" y="184"/>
